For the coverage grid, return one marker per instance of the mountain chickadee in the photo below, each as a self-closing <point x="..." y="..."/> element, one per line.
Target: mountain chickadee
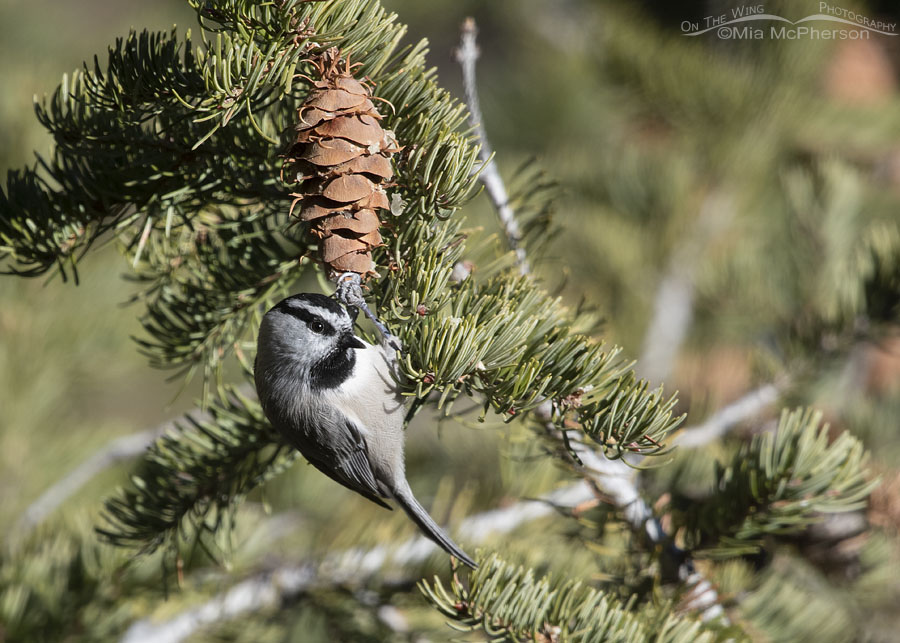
<point x="332" y="396"/>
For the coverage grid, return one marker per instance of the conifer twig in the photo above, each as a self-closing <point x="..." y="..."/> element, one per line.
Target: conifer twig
<point x="285" y="580"/>
<point x="673" y="306"/>
<point x="726" y="418"/>
<point x="466" y="55"/>
<point x="262" y="590"/>
<point x="616" y="482"/>
<point x="118" y="450"/>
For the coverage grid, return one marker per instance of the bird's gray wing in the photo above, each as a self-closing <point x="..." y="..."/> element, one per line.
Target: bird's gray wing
<point x="342" y="455"/>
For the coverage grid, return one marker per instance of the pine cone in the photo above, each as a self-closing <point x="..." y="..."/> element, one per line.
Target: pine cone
<point x="341" y="159"/>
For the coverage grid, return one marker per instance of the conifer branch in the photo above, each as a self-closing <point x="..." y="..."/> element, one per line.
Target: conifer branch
<point x="508" y="603"/>
<point x="466" y="55"/>
<point x="778" y="484"/>
<point x="193" y="478"/>
<point x="616" y="482"/>
<point x="286" y="580"/>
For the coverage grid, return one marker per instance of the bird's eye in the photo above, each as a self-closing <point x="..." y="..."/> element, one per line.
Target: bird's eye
<point x="317" y="327"/>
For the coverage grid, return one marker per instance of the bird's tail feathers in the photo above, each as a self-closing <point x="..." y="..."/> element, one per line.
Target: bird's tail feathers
<point x="429" y="527"/>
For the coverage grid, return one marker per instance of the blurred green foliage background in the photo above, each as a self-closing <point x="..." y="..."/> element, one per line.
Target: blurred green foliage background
<point x="741" y="166"/>
<point x="71" y="378"/>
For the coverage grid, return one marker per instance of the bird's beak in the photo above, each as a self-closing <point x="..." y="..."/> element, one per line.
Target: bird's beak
<point x="349" y="340"/>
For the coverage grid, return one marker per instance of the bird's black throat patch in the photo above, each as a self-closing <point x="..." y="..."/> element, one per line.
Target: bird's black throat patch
<point x="332" y="370"/>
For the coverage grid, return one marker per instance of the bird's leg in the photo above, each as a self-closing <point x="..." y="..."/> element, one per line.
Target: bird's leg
<point x="349" y="292"/>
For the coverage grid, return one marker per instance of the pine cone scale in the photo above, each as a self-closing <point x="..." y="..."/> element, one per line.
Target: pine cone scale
<point x="353" y="129"/>
<point x="331" y="152"/>
<point x="348" y="187"/>
<point x="360" y="222"/>
<point x="333" y="100"/>
<point x="376" y="165"/>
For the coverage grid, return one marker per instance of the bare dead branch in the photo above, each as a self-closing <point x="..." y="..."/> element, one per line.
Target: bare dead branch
<point x="718" y="425"/>
<point x="673" y="306"/>
<point x="466" y="55"/>
<point x="118" y="450"/>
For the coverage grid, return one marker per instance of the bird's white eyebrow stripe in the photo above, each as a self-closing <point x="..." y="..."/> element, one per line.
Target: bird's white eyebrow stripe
<point x="328" y="315"/>
<point x="312" y="306"/>
<point x="307" y="316"/>
<point x="303" y="309"/>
